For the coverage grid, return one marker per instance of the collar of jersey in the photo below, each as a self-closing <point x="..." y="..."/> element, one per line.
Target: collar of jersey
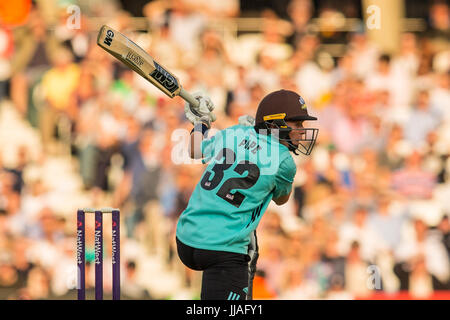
<point x="259" y="136"/>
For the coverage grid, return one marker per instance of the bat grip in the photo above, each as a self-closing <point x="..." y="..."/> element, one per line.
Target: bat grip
<point x="188" y="97"/>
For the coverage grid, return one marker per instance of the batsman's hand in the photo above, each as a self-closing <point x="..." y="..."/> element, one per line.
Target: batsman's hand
<point x="201" y="114"/>
<point x="246" y="120"/>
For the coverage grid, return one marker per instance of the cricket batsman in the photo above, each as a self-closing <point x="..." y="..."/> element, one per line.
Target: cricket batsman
<point x="249" y="165"/>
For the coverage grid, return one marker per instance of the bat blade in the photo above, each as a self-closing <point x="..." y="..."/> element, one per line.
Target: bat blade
<point x="136" y="58"/>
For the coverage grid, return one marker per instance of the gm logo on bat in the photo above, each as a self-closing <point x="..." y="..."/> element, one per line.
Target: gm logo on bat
<point x="109" y="36"/>
<point x="164" y="78"/>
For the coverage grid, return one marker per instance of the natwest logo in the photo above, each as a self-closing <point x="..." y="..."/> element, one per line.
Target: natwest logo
<point x="79" y="246"/>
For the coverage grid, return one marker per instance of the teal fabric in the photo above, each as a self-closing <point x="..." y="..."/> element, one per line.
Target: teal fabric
<point x="245" y="171"/>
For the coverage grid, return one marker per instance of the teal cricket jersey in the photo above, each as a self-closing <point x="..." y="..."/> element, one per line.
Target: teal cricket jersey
<point x="245" y="171"/>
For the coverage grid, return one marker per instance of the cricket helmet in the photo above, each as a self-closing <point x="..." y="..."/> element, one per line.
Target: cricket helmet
<point x="284" y="105"/>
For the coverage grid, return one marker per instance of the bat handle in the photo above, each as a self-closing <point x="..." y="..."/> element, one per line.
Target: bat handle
<point x="188" y="97"/>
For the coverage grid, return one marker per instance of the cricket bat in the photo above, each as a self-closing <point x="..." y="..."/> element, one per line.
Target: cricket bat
<point x="136" y="58"/>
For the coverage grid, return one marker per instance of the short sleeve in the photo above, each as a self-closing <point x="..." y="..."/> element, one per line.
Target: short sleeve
<point x="284" y="177"/>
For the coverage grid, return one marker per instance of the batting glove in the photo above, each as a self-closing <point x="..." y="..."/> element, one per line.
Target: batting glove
<point x="201" y="114"/>
<point x="246" y="120"/>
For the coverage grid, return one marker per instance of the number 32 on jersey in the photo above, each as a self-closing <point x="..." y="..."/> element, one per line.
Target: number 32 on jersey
<point x="229" y="158"/>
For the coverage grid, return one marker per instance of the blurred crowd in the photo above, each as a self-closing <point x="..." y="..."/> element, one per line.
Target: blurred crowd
<point x="369" y="209"/>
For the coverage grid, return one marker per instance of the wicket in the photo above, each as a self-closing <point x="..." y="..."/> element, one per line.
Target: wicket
<point x="98" y="242"/>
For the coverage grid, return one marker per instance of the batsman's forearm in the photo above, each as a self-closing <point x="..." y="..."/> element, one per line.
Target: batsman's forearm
<point x="195" y="150"/>
<point x="283" y="199"/>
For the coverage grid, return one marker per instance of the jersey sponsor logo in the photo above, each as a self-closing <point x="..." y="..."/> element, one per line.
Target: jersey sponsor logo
<point x="207" y="183"/>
